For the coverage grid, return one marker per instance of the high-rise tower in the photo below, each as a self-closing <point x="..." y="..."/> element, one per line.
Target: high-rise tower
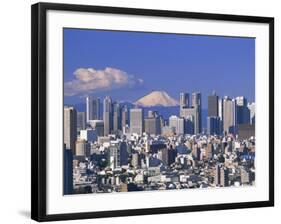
<point x="136" y="120"/>
<point x="92" y="108"/>
<point x="107" y="115"/>
<point x="70" y="128"/>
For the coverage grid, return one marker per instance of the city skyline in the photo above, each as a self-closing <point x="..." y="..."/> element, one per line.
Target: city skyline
<point x="139" y="61"/>
<point x="212" y="109"/>
<point x="158" y="150"/>
<point x="150" y="111"/>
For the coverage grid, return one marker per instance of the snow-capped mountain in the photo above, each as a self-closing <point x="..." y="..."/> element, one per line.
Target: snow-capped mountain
<point x="157" y="98"/>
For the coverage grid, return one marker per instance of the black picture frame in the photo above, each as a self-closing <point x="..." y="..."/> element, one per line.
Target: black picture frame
<point x="39" y="122"/>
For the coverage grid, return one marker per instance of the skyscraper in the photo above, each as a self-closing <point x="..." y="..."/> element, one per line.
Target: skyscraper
<point x="220" y="113"/>
<point x="70" y="128"/>
<point x="251" y="107"/>
<point x="67" y="171"/>
<point x="196" y="104"/>
<point x="136" y="120"/>
<point x="196" y="99"/>
<point x="213" y="107"/>
<point x="152" y="125"/>
<point x="193" y="114"/>
<point x="213" y="125"/>
<point x="107" y="115"/>
<point x="92" y="108"/>
<point x="81" y="121"/>
<point x="177" y="124"/>
<point x="184" y="100"/>
<point x="243" y="113"/>
<point x="189" y="125"/>
<point x="125" y="116"/>
<point x="117" y="117"/>
<point x="229" y="115"/>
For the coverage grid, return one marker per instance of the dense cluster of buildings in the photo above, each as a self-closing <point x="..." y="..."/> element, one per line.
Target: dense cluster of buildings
<point x="117" y="148"/>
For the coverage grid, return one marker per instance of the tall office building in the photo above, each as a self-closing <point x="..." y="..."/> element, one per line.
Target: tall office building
<point x="252" y="109"/>
<point x="229" y="116"/>
<point x="67" y="171"/>
<point x="196" y="99"/>
<point x="70" y="128"/>
<point x="194" y="111"/>
<point x="196" y="104"/>
<point x="177" y="124"/>
<point x="81" y="121"/>
<point x="117" y="117"/>
<point x="107" y="115"/>
<point x="125" y="116"/>
<point x="243" y="113"/>
<point x="189" y="125"/>
<point x="152" y="125"/>
<point x="184" y="100"/>
<point x="213" y="125"/>
<point x="92" y="108"/>
<point x="220" y="114"/>
<point x="136" y="120"/>
<point x="213" y="105"/>
<point x="192" y="115"/>
<point x="220" y="109"/>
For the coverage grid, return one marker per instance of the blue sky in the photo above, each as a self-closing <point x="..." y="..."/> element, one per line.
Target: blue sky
<point x="136" y="63"/>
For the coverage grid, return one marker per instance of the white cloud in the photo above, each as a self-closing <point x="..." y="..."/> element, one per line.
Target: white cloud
<point x="89" y="80"/>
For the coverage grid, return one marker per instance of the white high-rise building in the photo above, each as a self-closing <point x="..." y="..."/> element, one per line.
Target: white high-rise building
<point x="81" y="121"/>
<point x="92" y="108"/>
<point x="229" y="115"/>
<point x="176" y="124"/>
<point x="194" y="110"/>
<point x="184" y="100"/>
<point x="70" y="128"/>
<point x="220" y="113"/>
<point x="107" y="115"/>
<point x="220" y="109"/>
<point x="136" y="120"/>
<point x="252" y="108"/>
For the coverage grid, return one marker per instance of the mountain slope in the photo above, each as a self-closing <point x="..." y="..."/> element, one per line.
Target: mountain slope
<point x="157" y="98"/>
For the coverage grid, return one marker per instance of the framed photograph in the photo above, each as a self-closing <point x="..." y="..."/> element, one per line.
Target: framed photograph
<point x="140" y="111"/>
